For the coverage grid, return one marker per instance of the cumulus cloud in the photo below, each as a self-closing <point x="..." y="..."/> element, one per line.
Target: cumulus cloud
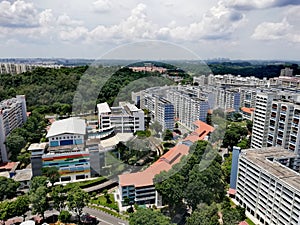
<point x="136" y="26"/>
<point x="102" y="6"/>
<point x="65" y="20"/>
<point x="259" y="4"/>
<point x="276" y="31"/>
<point x="220" y="22"/>
<point x="17" y="14"/>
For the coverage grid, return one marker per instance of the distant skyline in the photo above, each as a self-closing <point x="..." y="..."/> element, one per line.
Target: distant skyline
<point x="235" y="29"/>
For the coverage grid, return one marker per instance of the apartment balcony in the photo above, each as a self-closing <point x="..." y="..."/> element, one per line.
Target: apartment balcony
<point x="292" y="142"/>
<point x="297" y="116"/>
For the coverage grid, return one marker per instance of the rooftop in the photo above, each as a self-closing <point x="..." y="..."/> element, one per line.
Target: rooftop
<point x="261" y="158"/>
<point x="71" y="125"/>
<point x="103" y="108"/>
<point x="23" y="175"/>
<point x="8" y="166"/>
<point x="248" y="110"/>
<point x="203" y="129"/>
<point x="166" y="161"/>
<point x="37" y="146"/>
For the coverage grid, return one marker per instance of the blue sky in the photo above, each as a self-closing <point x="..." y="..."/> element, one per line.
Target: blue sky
<point x="237" y="29"/>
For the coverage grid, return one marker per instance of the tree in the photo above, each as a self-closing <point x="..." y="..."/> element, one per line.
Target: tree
<point x="148" y="217"/>
<point x="249" y="125"/>
<point x="36" y="182"/>
<point x="156" y="126"/>
<point x="77" y="200"/>
<point x="64" y="216"/>
<point x="39" y="201"/>
<point x="59" y="197"/>
<point x="8" y="188"/>
<point x="17" y="207"/>
<point x="107" y="197"/>
<point x="168" y="135"/>
<point x="52" y="173"/>
<point x="204" y="186"/>
<point x="15" y="143"/>
<point x="205" y="215"/>
<point x="231" y="217"/>
<point x="170" y="188"/>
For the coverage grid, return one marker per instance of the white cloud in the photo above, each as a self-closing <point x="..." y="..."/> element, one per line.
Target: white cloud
<point x="220" y="22"/>
<point x="17" y="14"/>
<point x="65" y="20"/>
<point x="73" y="34"/>
<point x="102" y="6"/>
<point x="276" y="31"/>
<point x="260" y="4"/>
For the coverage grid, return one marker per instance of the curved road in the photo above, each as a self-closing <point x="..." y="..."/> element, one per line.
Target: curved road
<point x="104" y="218"/>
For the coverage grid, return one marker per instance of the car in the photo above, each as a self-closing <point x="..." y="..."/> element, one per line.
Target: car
<point x="86" y="218"/>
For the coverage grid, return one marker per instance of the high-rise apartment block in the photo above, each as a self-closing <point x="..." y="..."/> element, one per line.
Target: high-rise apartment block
<point x="261" y="119"/>
<point x="13" y="114"/>
<point x="268" y="185"/>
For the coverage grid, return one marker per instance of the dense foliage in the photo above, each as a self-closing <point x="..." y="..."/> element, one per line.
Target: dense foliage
<point x="246" y="69"/>
<point x="8" y="188"/>
<point x="148" y="217"/>
<point x="43" y="86"/>
<point x="189" y="181"/>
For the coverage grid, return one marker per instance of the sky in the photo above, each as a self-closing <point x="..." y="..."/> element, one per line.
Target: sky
<point x="236" y="29"/>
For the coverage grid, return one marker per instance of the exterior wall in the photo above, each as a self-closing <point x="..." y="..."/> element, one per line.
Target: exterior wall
<point x="72" y="166"/>
<point x="139" y="195"/>
<point x="234" y="166"/>
<point x="165" y="115"/>
<point x="66" y="139"/>
<point x="266" y="197"/>
<point x="122" y="119"/>
<point x="261" y="120"/>
<point x="13" y="114"/>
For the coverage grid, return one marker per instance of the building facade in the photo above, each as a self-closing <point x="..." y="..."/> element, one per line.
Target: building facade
<point x="13" y="113"/>
<point x="268" y="185"/>
<point x="261" y="119"/>
<point x="125" y="118"/>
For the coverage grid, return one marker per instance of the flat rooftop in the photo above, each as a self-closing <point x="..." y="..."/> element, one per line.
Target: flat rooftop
<point x="261" y="158"/>
<point x="23" y="175"/>
<point x="103" y="108"/>
<point x="37" y="146"/>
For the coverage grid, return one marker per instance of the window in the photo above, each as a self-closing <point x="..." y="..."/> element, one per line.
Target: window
<point x="68" y="178"/>
<point x="79" y="177"/>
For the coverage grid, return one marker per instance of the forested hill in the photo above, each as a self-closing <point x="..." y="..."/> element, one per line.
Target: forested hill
<point x="247" y="69"/>
<point x="52" y="90"/>
<point x="43" y="86"/>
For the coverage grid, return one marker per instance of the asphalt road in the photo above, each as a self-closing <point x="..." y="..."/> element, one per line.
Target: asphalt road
<point x="104" y="218"/>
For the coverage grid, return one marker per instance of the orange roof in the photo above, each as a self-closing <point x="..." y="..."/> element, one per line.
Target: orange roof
<point x="231" y="191"/>
<point x="248" y="110"/>
<point x="8" y="165"/>
<point x="164" y="163"/>
<point x="243" y="223"/>
<point x="201" y="132"/>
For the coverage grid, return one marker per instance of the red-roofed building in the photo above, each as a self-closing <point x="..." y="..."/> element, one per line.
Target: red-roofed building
<point x="243" y="223"/>
<point x="139" y="187"/>
<point x="247" y="113"/>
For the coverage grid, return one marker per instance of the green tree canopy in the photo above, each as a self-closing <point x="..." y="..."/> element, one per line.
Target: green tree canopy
<point x="8" y="188"/>
<point x="77" y="200"/>
<point x="38" y="199"/>
<point x="204" y="215"/>
<point x="52" y="174"/>
<point x="148" y="217"/>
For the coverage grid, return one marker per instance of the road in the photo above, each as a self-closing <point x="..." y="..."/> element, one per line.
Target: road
<point x="104" y="218"/>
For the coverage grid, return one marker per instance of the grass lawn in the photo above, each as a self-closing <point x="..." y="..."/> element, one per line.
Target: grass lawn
<point x="249" y="221"/>
<point x="101" y="200"/>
